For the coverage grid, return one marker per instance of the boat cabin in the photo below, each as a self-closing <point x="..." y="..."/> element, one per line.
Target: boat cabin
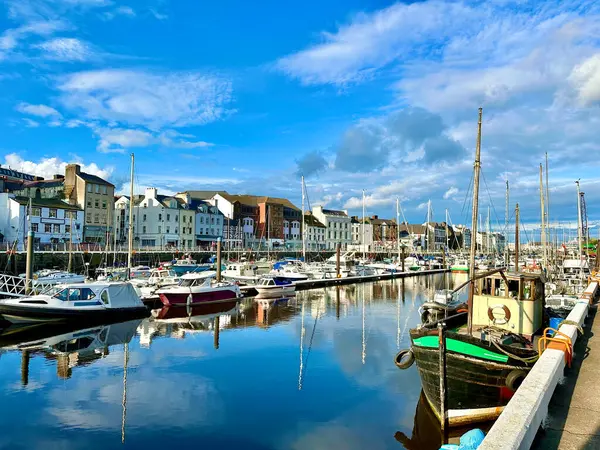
<point x="513" y="302"/>
<point x="194" y="281"/>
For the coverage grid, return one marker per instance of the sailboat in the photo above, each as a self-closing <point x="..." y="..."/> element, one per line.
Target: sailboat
<point x="488" y="347"/>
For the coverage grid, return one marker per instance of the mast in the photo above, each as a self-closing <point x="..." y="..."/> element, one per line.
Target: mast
<point x="489" y="238"/>
<point x="517" y="238"/>
<point x="548" y="236"/>
<point x="114" y="237"/>
<point x="447" y="236"/>
<point x="70" y="264"/>
<point x="130" y="235"/>
<point x="506" y="249"/>
<point x="398" y="226"/>
<point x="428" y="222"/>
<point x="543" y="210"/>
<point x="268" y="232"/>
<point x="579" y="223"/>
<point x="474" y="215"/>
<point x="303" y="227"/>
<point x="363" y="224"/>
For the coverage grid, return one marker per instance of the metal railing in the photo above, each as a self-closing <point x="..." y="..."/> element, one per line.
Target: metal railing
<point x="12" y="286"/>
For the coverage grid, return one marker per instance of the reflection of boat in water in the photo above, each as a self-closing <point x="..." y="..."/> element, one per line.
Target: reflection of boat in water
<point x="198" y="313"/>
<point x="427" y="433"/>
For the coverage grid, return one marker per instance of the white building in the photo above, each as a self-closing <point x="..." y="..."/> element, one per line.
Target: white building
<point x="52" y="220"/>
<point x="338" y="225"/>
<point x="209" y="223"/>
<point x="358" y="239"/>
<point x="315" y="233"/>
<point x="463" y="234"/>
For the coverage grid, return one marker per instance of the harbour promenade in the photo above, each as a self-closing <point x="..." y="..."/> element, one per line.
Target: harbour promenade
<point x="558" y="404"/>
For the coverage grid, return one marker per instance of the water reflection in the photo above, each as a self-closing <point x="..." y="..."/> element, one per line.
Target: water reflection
<point x="319" y="365"/>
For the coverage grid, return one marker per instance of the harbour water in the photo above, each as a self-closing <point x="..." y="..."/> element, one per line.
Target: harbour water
<point x="310" y="372"/>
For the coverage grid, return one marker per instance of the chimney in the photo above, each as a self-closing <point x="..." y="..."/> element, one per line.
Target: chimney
<point x="58" y="176"/>
<point x="151" y="192"/>
<point x="374" y="217"/>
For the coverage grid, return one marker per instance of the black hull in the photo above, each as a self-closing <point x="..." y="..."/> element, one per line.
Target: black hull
<point x="477" y="389"/>
<point x="16" y="314"/>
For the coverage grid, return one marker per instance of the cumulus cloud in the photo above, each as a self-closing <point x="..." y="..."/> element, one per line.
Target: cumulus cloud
<point x="31" y="123"/>
<point x="311" y="163"/>
<point x="586" y="80"/>
<point x="125" y="11"/>
<point x="117" y="140"/>
<point x="136" y="97"/>
<point x="47" y="167"/>
<point x="450" y="192"/>
<point x="37" y="110"/>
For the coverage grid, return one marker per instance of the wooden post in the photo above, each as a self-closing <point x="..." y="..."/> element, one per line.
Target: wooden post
<point x="403" y="257"/>
<point x="218" y="260"/>
<point x="216" y="330"/>
<point x="442" y="371"/>
<point x="338" y="249"/>
<point x="29" y="263"/>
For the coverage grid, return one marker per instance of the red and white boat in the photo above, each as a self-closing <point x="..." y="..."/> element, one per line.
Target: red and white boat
<point x="197" y="288"/>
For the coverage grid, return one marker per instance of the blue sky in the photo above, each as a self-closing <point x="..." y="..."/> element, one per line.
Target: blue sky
<point x="354" y="94"/>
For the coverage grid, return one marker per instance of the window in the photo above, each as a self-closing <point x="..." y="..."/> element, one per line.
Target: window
<point x="176" y="231"/>
<point x="217" y="221"/>
<point x="104" y="204"/>
<point x="34" y="227"/>
<point x="104" y="297"/>
<point x="53" y="213"/>
<point x="168" y="230"/>
<point x="67" y="228"/>
<point x="88" y="219"/>
<point x="56" y="228"/>
<point x="168" y="217"/>
<point x="47" y="228"/>
<point x="212" y="220"/>
<point x="89" y="203"/>
<point x="144" y="219"/>
<point x="144" y="228"/>
<point x="96" y="203"/>
<point x="97" y="189"/>
<point x="159" y="229"/>
<point x="201" y="219"/>
<point x="159" y="216"/>
<point x="72" y="295"/>
<point x="104" y="190"/>
<point x="96" y="218"/>
<point x="90" y="187"/>
<point x="36" y="212"/>
<point x="103" y="219"/>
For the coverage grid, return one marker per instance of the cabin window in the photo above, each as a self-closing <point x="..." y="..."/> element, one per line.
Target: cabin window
<point x="528" y="290"/>
<point x="104" y="297"/>
<point x="513" y="288"/>
<point x="75" y="294"/>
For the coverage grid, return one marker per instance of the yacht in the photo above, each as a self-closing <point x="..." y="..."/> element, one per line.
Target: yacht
<point x="198" y="288"/>
<point x="51" y="277"/>
<point x="290" y="270"/>
<point x="244" y="272"/>
<point x="76" y="301"/>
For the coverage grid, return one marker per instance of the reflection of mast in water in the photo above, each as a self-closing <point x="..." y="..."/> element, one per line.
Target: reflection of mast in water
<point x="301" y="348"/>
<point x="124" y="404"/>
<point x="216" y="327"/>
<point x="337" y="302"/>
<point x="364" y="342"/>
<point x="25" y="367"/>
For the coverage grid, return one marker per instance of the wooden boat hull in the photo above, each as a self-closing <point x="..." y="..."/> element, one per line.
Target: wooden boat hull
<point x="480" y="380"/>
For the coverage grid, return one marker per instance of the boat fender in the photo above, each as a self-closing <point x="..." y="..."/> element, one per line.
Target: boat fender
<point x="405" y="359"/>
<point x="515" y="378"/>
<point x="499" y="320"/>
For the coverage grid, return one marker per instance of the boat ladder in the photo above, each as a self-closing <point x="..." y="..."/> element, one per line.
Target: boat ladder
<point x="12" y="286"/>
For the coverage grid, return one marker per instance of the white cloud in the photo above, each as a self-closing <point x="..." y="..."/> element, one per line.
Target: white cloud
<point x="158" y="15"/>
<point x="65" y="49"/>
<point x="120" y="11"/>
<point x="37" y="110"/>
<point x="47" y="167"/>
<point x="11" y="38"/>
<point x="31" y="123"/>
<point x="586" y="80"/>
<point x="116" y="140"/>
<point x="450" y="192"/>
<point x="136" y="97"/>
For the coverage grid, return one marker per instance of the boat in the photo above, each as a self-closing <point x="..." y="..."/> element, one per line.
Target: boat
<point x="50" y="277"/>
<point x="195" y="288"/>
<point x="445" y="303"/>
<point x="275" y="286"/>
<point x="186" y="265"/>
<point x="194" y="314"/>
<point x="489" y="348"/>
<point x="244" y="272"/>
<point x="76" y="301"/>
<point x="290" y="270"/>
<point x="460" y="265"/>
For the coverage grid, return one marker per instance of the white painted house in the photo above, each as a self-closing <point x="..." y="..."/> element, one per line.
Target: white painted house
<point x="338" y="224"/>
<point x="53" y="221"/>
<point x="362" y="242"/>
<point x="315" y="233"/>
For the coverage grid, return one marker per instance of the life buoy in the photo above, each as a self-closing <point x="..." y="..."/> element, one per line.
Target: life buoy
<point x="404" y="359"/>
<point x="515" y="378"/>
<point x="499" y="320"/>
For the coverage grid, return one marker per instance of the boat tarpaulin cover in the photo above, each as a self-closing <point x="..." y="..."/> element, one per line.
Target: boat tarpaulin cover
<point x="122" y="295"/>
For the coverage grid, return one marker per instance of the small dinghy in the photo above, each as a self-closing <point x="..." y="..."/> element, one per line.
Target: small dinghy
<point x="77" y="301"/>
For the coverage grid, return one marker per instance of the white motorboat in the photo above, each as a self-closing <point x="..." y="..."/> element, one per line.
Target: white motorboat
<point x="244" y="272"/>
<point x="289" y="271"/>
<point x="51" y="277"/>
<point x="274" y="285"/>
<point x="76" y="301"/>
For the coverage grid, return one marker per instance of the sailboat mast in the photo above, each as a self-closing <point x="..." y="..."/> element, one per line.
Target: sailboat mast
<point x="548" y="235"/>
<point x="506" y="249"/>
<point x="130" y="231"/>
<point x="398" y="227"/>
<point x="543" y="211"/>
<point x="268" y="233"/>
<point x="428" y="222"/>
<point x="363" y="224"/>
<point x="517" y="238"/>
<point x="579" y="223"/>
<point x="303" y="227"/>
<point x="70" y="265"/>
<point x="474" y="215"/>
<point x="447" y="236"/>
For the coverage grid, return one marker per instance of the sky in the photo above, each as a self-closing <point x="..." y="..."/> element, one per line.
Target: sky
<point x="353" y="94"/>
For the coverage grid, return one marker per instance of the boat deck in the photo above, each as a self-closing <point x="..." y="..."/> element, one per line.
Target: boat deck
<point x="574" y="412"/>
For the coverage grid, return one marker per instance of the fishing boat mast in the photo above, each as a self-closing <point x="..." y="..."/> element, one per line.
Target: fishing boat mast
<point x="474" y="215"/>
<point x="130" y="231"/>
<point x="543" y="211"/>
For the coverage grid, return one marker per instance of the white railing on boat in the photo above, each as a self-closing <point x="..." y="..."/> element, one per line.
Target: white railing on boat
<point x="11" y="286"/>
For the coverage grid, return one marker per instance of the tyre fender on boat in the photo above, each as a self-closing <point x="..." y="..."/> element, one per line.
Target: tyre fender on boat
<point x="515" y="378"/>
<point x="404" y="359"/>
<point x="499" y="320"/>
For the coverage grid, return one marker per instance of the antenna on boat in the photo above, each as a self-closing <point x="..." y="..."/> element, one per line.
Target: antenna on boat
<point x="474" y="215"/>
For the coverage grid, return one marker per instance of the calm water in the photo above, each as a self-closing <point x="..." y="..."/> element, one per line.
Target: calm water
<point x="313" y="372"/>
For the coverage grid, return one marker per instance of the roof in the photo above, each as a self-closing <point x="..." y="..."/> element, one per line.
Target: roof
<point x="333" y="212"/>
<point x="197" y="204"/>
<point x="88" y="177"/>
<point x="44" y="183"/>
<point x="311" y="221"/>
<point x="255" y="200"/>
<point x="47" y="203"/>
<point x="202" y="195"/>
<point x="4" y="172"/>
<point x="413" y="229"/>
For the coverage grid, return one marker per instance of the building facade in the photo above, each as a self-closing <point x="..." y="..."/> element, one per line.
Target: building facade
<point x="358" y="239"/>
<point x="315" y="233"/>
<point x="54" y="222"/>
<point x="338" y="225"/>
